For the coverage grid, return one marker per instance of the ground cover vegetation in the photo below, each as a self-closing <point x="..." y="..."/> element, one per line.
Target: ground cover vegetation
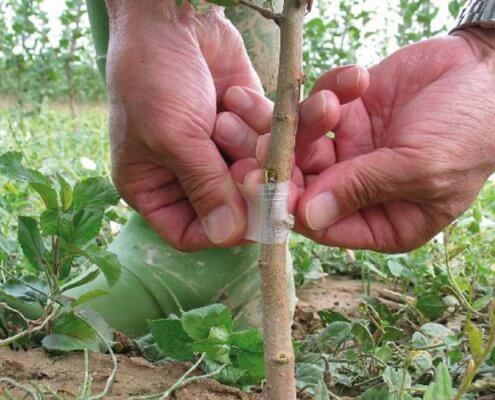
<point x="423" y="326"/>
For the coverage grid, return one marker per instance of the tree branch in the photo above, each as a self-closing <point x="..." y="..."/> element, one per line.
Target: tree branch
<point x="277" y="315"/>
<point x="265" y="13"/>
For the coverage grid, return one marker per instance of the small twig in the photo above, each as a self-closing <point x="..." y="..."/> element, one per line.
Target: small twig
<point x="18" y="385"/>
<point x="84" y="390"/>
<point x="265" y="13"/>
<point x="111" y="378"/>
<point x="29" y="331"/>
<point x="15" y="311"/>
<point x="183" y="380"/>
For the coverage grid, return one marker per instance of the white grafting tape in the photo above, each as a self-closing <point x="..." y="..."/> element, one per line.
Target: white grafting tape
<point x="269" y="221"/>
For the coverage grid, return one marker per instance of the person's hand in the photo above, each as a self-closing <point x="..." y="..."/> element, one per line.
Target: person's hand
<point x="413" y="153"/>
<point x="167" y="71"/>
<point x="241" y="131"/>
<point x="408" y="157"/>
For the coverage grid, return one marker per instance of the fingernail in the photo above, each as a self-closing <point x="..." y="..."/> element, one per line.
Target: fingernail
<point x="315" y="108"/>
<point x="349" y="78"/>
<point x="238" y="99"/>
<point x="229" y="129"/>
<point x="322" y="211"/>
<point x="254" y="177"/>
<point x="219" y="224"/>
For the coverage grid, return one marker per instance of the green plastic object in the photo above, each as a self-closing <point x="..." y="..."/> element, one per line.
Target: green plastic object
<point x="98" y="19"/>
<point x="158" y="280"/>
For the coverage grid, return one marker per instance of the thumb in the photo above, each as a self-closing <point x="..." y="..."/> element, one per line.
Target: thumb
<point x="345" y="188"/>
<point x="212" y="192"/>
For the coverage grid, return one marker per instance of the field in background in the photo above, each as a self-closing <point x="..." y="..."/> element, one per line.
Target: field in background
<point x="409" y="315"/>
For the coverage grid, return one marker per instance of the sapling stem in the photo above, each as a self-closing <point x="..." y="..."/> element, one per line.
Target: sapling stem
<point x="277" y="316"/>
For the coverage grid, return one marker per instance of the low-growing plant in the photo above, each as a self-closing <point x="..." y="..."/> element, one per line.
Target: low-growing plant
<point x="55" y="243"/>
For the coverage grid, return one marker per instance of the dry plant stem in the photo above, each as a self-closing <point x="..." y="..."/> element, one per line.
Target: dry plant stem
<point x="277" y="320"/>
<point x="44" y="322"/>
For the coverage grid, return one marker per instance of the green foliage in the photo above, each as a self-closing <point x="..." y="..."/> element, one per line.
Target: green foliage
<point x="34" y="68"/>
<point x="209" y="330"/>
<point x="441" y="388"/>
<point x="54" y="243"/>
<point x="398" y="337"/>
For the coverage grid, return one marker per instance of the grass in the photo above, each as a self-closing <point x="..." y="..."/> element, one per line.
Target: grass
<point x="394" y="342"/>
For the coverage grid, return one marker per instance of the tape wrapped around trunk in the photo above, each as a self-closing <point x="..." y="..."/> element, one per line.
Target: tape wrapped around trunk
<point x="269" y="221"/>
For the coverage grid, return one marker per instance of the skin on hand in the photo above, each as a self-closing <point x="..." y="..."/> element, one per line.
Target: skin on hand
<point x="413" y="153"/>
<point x="409" y="156"/>
<point x="168" y="69"/>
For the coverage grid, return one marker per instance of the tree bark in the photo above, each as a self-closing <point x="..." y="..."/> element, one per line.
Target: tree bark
<point x="277" y="318"/>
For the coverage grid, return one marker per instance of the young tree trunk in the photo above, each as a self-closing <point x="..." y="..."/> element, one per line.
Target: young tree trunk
<point x="277" y="319"/>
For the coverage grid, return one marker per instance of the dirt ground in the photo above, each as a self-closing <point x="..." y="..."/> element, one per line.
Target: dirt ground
<point x="138" y="377"/>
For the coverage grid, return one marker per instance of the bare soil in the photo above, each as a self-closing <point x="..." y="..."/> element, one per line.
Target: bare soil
<point x="137" y="377"/>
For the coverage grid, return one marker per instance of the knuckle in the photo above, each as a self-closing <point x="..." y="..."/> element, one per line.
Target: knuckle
<point x="357" y="189"/>
<point x="204" y="187"/>
<point x="180" y="129"/>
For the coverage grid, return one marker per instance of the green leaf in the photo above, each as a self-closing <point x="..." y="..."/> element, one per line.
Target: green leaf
<point x="47" y="193"/>
<point x="92" y="294"/>
<point x="87" y="224"/>
<point x="321" y="392"/>
<point x="253" y="364"/>
<point x="482" y="302"/>
<point x="436" y="332"/>
<point x="376" y="393"/>
<point x="215" y="345"/>
<point x="441" y="388"/>
<point x="29" y="289"/>
<point x="77" y="331"/>
<point x="65" y="193"/>
<point x="198" y="322"/>
<point x="11" y="166"/>
<point x="63" y="343"/>
<point x="475" y="340"/>
<point x="394" y="379"/>
<point x="329" y="316"/>
<point x="81" y="280"/>
<point x="249" y="340"/>
<point x="49" y="221"/>
<point x="98" y="324"/>
<point x="229" y="375"/>
<point x="172" y="339"/>
<point x="419" y="341"/>
<point x="31" y="242"/>
<point x="431" y="306"/>
<point x="94" y="194"/>
<point x="107" y="262"/>
<point x="310" y="370"/>
<point x="363" y="335"/>
<point x="396" y="268"/>
<point x="335" y="334"/>
<point x="383" y="353"/>
<point x="391" y="334"/>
